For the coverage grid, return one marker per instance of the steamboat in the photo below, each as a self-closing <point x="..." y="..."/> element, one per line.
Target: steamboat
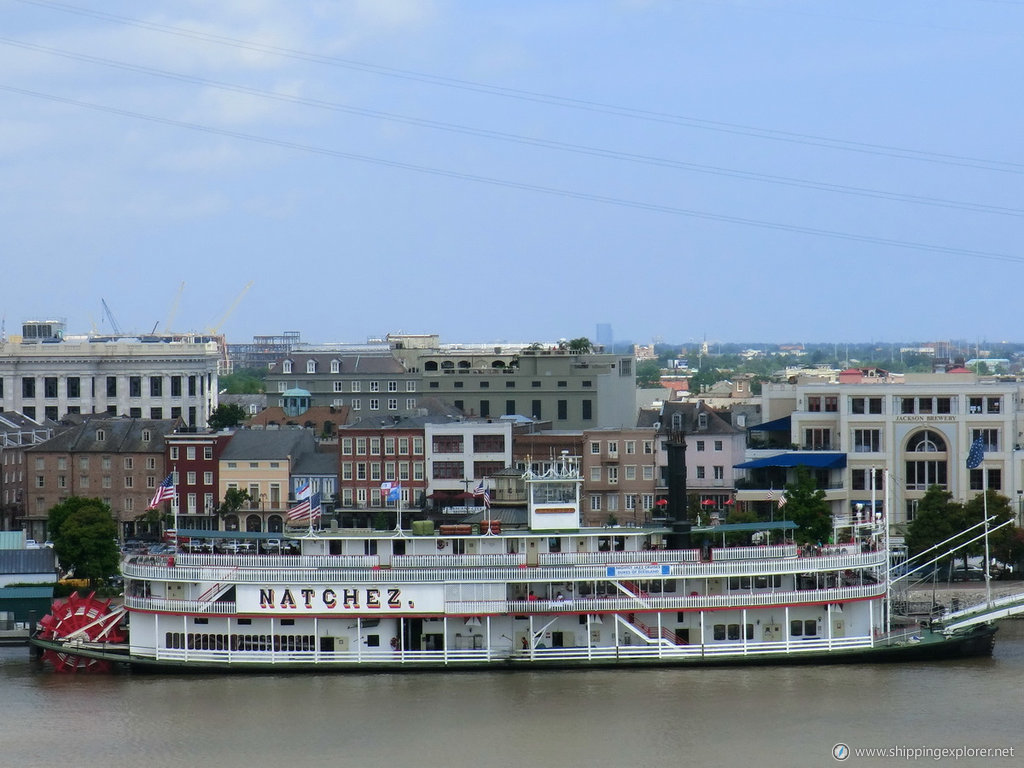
<point x="550" y="593"/>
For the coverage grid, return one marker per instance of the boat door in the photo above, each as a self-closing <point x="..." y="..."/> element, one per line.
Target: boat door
<point x="838" y="627"/>
<point x="532" y="557"/>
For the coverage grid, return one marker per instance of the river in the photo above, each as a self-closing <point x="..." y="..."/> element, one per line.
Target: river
<point x="739" y="716"/>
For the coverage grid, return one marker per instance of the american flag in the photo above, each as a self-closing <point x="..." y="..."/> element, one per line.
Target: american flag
<point x="306" y="510"/>
<point x="782" y="500"/>
<point x="164" y="492"/>
<point x="482" y="492"/>
<point x="976" y="454"/>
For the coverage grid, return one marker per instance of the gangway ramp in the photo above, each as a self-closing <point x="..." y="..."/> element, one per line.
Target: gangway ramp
<point x="981" y="613"/>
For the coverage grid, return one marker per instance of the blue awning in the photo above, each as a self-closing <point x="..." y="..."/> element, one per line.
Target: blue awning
<point x="798" y="459"/>
<point x="776" y="425"/>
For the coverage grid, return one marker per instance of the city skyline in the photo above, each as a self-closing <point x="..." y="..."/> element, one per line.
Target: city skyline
<point x="782" y="173"/>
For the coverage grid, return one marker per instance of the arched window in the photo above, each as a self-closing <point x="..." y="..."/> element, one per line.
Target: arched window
<point x="286" y="366"/>
<point x="927" y="441"/>
<point x="447" y="365"/>
<point x="465" y="365"/>
<point x="430" y="365"/>
<point x="335" y="366"/>
<point x="311" y="366"/>
<point x="926" y="463"/>
<point x="677" y="421"/>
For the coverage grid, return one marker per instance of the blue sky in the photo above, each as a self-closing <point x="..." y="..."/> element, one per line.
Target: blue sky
<point x="744" y="170"/>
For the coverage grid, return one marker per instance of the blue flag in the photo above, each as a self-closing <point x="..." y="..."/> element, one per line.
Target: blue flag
<point x="976" y="454"/>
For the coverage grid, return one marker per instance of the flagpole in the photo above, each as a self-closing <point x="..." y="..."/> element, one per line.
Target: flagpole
<point x="988" y="576"/>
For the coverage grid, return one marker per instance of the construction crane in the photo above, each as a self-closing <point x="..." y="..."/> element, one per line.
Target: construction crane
<point x="234" y="305"/>
<point x="110" y="318"/>
<point x="174" y="309"/>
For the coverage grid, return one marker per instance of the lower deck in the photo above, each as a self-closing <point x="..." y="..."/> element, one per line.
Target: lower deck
<point x="588" y="637"/>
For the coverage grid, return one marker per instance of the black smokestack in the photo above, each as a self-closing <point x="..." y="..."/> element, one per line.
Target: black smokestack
<point x="678" y="516"/>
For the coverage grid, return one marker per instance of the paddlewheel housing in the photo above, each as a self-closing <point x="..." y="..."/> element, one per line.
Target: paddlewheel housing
<point x="87" y="619"/>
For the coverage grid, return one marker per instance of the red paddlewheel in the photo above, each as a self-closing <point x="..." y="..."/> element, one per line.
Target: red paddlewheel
<point x="81" y="618"/>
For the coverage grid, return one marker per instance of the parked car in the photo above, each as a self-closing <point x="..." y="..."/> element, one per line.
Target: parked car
<point x="971" y="574"/>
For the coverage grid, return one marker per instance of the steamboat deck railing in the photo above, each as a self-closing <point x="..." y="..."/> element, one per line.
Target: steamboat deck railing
<point x="736" y="600"/>
<point x="659" y="651"/>
<point x="331" y="569"/>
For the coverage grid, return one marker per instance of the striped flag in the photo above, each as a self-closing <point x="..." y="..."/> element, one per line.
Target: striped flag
<point x="307" y="510"/>
<point x="302" y="491"/>
<point x="782" y="500"/>
<point x="482" y="492"/>
<point x="164" y="492"/>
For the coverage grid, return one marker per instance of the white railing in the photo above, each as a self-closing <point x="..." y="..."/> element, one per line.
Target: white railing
<point x="577" y="605"/>
<point x="753" y="553"/>
<point x="162" y="570"/>
<point x="623" y="557"/>
<point x="655" y="651"/>
<point x="673" y="603"/>
<point x="265" y="561"/>
<point x="454" y="561"/>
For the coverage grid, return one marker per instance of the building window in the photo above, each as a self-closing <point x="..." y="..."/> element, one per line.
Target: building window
<point x="311" y="366"/>
<point x="700" y="445"/>
<point x="339" y="386"/>
<point x="818" y="439"/>
<point x="866" y="405"/>
<point x="74" y="387"/>
<point x="28" y="387"/>
<point x="375" y="386"/>
<point x="392" y="386"/>
<point x="488" y="443"/>
<point x="448" y="470"/>
<point x="995" y="479"/>
<point x="700" y="473"/>
<point x="718" y="445"/>
<point x="374" y="404"/>
<point x="595" y="474"/>
<point x="447" y="443"/>
<point x="867" y="440"/>
<point x="719" y="472"/>
<point x="392" y="403"/>
<point x="356" y="386"/>
<point x="563" y="410"/>
<point x="156" y="386"/>
<point x="335" y="367"/>
<point x="410" y="386"/>
<point x="989" y="437"/>
<point x="595" y="502"/>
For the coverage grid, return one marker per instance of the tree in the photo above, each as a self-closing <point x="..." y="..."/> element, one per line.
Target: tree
<point x="247" y="381"/>
<point x="84" y="537"/>
<point x="806" y="506"/>
<point x="937" y="519"/>
<point x="581" y="345"/>
<point x="226" y="415"/>
<point x="234" y="500"/>
<point x="648" y="373"/>
<point x="998" y="506"/>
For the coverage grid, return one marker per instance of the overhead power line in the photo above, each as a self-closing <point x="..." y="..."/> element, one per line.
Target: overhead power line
<point x="526" y="140"/>
<point x="554" y="191"/>
<point x="551" y="99"/>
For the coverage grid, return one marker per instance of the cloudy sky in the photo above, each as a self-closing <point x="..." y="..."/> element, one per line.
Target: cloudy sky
<point x="736" y="170"/>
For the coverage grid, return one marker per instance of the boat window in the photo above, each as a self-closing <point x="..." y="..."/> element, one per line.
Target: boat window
<point x="719" y="632"/>
<point x="373" y="641"/>
<point x="734" y="631"/>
